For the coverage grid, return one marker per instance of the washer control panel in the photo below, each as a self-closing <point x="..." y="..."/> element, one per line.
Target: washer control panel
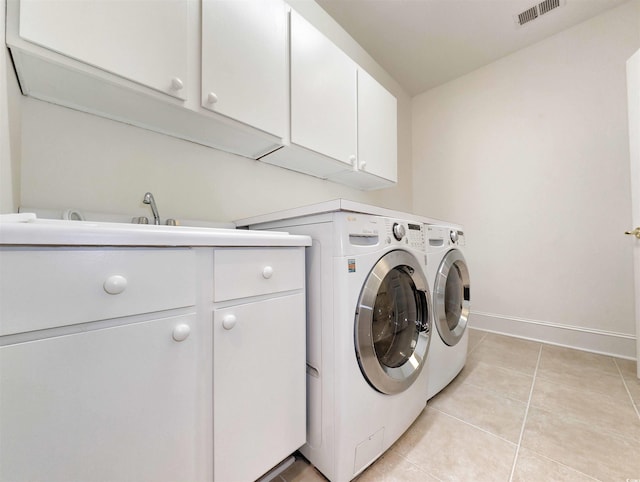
<point x="407" y="233"/>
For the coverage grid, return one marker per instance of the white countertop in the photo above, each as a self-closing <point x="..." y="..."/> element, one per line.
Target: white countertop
<point x="340" y="205"/>
<point x="27" y="229"/>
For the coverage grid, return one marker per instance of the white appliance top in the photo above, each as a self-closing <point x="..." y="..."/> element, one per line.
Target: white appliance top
<point x="333" y="206"/>
<point x="27" y="229"/>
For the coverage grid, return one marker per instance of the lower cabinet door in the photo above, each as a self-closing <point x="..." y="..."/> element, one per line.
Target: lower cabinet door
<point x="259" y="376"/>
<point x="114" y="404"/>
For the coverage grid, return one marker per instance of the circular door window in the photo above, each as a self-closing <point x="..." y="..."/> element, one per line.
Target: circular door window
<point x="393" y="323"/>
<point x="451" y="297"/>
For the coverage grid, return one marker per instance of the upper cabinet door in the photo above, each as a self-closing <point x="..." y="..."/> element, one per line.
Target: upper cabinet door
<point x="323" y="94"/>
<point x="377" y="129"/>
<point x="142" y="41"/>
<point x="244" y="61"/>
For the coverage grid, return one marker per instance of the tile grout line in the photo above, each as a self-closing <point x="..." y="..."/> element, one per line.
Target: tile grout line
<point x="420" y="469"/>
<point x="477" y="344"/>
<point x="526" y="414"/>
<point x="565" y="466"/>
<point x="626" y="387"/>
<point x="477" y="427"/>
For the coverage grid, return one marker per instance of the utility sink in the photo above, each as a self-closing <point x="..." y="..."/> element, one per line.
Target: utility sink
<point x="28" y="229"/>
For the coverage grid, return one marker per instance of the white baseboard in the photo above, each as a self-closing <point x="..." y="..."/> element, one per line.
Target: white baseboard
<point x="596" y="341"/>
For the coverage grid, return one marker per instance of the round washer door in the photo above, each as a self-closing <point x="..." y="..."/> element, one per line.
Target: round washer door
<point x="393" y="322"/>
<point x="451" y="297"/>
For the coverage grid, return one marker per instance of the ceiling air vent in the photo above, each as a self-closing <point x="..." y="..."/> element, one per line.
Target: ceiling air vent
<point x="536" y="11"/>
<point x="528" y="15"/>
<point x="548" y="5"/>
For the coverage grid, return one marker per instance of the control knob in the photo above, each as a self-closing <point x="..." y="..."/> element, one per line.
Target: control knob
<point x="398" y="231"/>
<point x="454" y="236"/>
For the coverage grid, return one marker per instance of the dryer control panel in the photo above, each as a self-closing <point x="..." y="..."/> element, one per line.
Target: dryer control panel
<point x="362" y="230"/>
<point x="445" y="236"/>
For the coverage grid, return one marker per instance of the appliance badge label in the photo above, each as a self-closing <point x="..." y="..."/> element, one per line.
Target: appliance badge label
<point x="351" y="263"/>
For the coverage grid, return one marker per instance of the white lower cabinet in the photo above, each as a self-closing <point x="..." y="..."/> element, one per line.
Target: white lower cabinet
<point x="150" y="364"/>
<point x="259" y="353"/>
<point x="259" y="386"/>
<point x="100" y="366"/>
<point x="112" y="404"/>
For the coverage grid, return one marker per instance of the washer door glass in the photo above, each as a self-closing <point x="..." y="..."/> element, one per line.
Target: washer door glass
<point x="393" y="321"/>
<point x="452" y="295"/>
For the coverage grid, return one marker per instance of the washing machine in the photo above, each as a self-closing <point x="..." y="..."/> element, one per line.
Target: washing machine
<point x="369" y="327"/>
<point x="448" y="275"/>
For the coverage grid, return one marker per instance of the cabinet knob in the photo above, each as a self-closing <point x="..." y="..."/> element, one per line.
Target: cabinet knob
<point x="354" y="162"/>
<point x="181" y="332"/>
<point x="115" y="284"/>
<point x="212" y="98"/>
<point x="267" y="272"/>
<point x="176" y="84"/>
<point x="228" y="322"/>
<point x="362" y="165"/>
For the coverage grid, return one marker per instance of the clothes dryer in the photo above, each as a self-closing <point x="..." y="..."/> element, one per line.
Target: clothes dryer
<point x="448" y="276"/>
<point x="368" y="333"/>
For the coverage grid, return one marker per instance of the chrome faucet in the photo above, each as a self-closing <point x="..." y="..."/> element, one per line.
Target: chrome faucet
<point x="148" y="199"/>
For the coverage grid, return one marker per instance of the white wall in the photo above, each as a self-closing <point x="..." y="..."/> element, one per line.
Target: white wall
<point x="9" y="129"/>
<point x="531" y="154"/>
<point x="71" y="159"/>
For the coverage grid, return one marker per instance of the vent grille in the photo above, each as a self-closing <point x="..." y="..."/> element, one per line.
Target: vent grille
<point x="536" y="11"/>
<point x="528" y="15"/>
<point x="548" y="5"/>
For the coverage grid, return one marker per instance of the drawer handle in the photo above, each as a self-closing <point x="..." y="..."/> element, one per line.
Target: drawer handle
<point x="181" y="332"/>
<point x="267" y="272"/>
<point x="228" y="322"/>
<point x="115" y="284"/>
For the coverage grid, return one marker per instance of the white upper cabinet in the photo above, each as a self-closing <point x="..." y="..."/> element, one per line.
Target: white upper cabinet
<point x="250" y="77"/>
<point x="343" y="122"/>
<point x="323" y="94"/>
<point x="244" y="63"/>
<point x="377" y="128"/>
<point x="120" y="58"/>
<point x="322" y="136"/>
<point x="142" y="41"/>
<point x="377" y="137"/>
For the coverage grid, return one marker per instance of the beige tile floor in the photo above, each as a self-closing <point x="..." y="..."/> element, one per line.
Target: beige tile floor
<point x="518" y="411"/>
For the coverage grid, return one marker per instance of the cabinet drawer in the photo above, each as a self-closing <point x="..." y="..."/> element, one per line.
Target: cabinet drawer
<point x="48" y="287"/>
<point x="243" y="272"/>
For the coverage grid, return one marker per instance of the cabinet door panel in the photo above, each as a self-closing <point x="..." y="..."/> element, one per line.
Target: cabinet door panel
<point x="244" y="71"/>
<point x="323" y="93"/>
<point x="142" y="41"/>
<point x="115" y="404"/>
<point x="259" y="386"/>
<point x="377" y="128"/>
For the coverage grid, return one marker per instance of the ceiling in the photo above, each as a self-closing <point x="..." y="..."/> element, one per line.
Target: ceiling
<point x="424" y="43"/>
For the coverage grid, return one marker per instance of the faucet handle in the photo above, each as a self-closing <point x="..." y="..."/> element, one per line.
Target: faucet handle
<point x="171" y="222"/>
<point x="140" y="220"/>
